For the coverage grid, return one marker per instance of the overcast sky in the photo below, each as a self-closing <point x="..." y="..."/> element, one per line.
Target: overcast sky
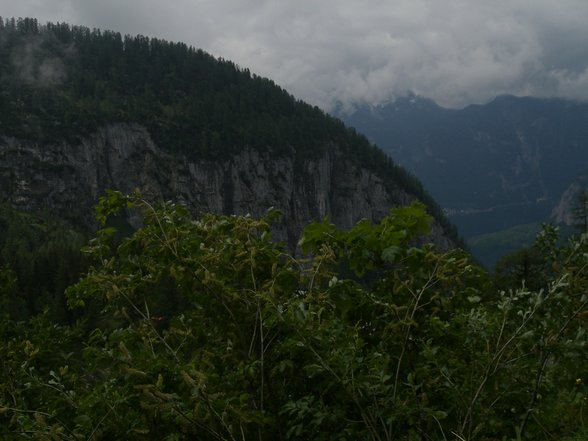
<point x="456" y="52"/>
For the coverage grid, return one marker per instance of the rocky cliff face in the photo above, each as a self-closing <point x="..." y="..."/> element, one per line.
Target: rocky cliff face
<point x="68" y="179"/>
<point x="563" y="212"/>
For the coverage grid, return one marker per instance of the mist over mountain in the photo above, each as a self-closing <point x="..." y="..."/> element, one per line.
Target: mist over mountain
<point x="491" y="167"/>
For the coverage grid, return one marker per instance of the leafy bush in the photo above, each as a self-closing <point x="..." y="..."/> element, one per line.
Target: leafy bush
<point x="208" y="329"/>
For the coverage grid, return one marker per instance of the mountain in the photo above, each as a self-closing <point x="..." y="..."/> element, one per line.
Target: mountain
<point x="491" y="167"/>
<point x="85" y="110"/>
<point x="202" y="327"/>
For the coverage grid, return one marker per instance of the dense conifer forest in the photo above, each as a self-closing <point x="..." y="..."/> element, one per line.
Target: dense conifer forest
<point x="206" y="328"/>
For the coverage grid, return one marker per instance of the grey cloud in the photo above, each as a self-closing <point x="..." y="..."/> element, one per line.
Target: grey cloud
<point x="454" y="51"/>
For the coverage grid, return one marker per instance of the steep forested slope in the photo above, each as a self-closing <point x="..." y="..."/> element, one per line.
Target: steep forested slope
<point x="69" y="90"/>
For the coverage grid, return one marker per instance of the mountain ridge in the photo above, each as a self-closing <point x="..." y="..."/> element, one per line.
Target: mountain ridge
<point x="194" y="120"/>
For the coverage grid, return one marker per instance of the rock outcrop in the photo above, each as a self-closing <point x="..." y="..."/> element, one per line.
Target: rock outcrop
<point x="568" y="203"/>
<point x="66" y="180"/>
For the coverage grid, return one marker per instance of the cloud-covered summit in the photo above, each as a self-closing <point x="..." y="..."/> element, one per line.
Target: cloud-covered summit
<point x="456" y="52"/>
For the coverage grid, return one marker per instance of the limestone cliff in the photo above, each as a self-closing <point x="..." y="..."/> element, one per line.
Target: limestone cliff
<point x="563" y="212"/>
<point x="66" y="179"/>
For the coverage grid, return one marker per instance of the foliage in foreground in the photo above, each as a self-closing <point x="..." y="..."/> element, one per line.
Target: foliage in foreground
<point x="39" y="259"/>
<point x="208" y="329"/>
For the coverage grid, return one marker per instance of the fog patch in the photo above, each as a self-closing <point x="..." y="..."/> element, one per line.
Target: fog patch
<point x="32" y="64"/>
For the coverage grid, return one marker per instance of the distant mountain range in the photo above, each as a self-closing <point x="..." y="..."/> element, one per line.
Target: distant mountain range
<point x="512" y="162"/>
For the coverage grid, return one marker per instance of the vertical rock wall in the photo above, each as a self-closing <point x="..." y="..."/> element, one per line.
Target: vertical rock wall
<point x="67" y="180"/>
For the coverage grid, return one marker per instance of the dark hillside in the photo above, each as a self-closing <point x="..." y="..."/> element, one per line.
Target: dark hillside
<point x="64" y="83"/>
